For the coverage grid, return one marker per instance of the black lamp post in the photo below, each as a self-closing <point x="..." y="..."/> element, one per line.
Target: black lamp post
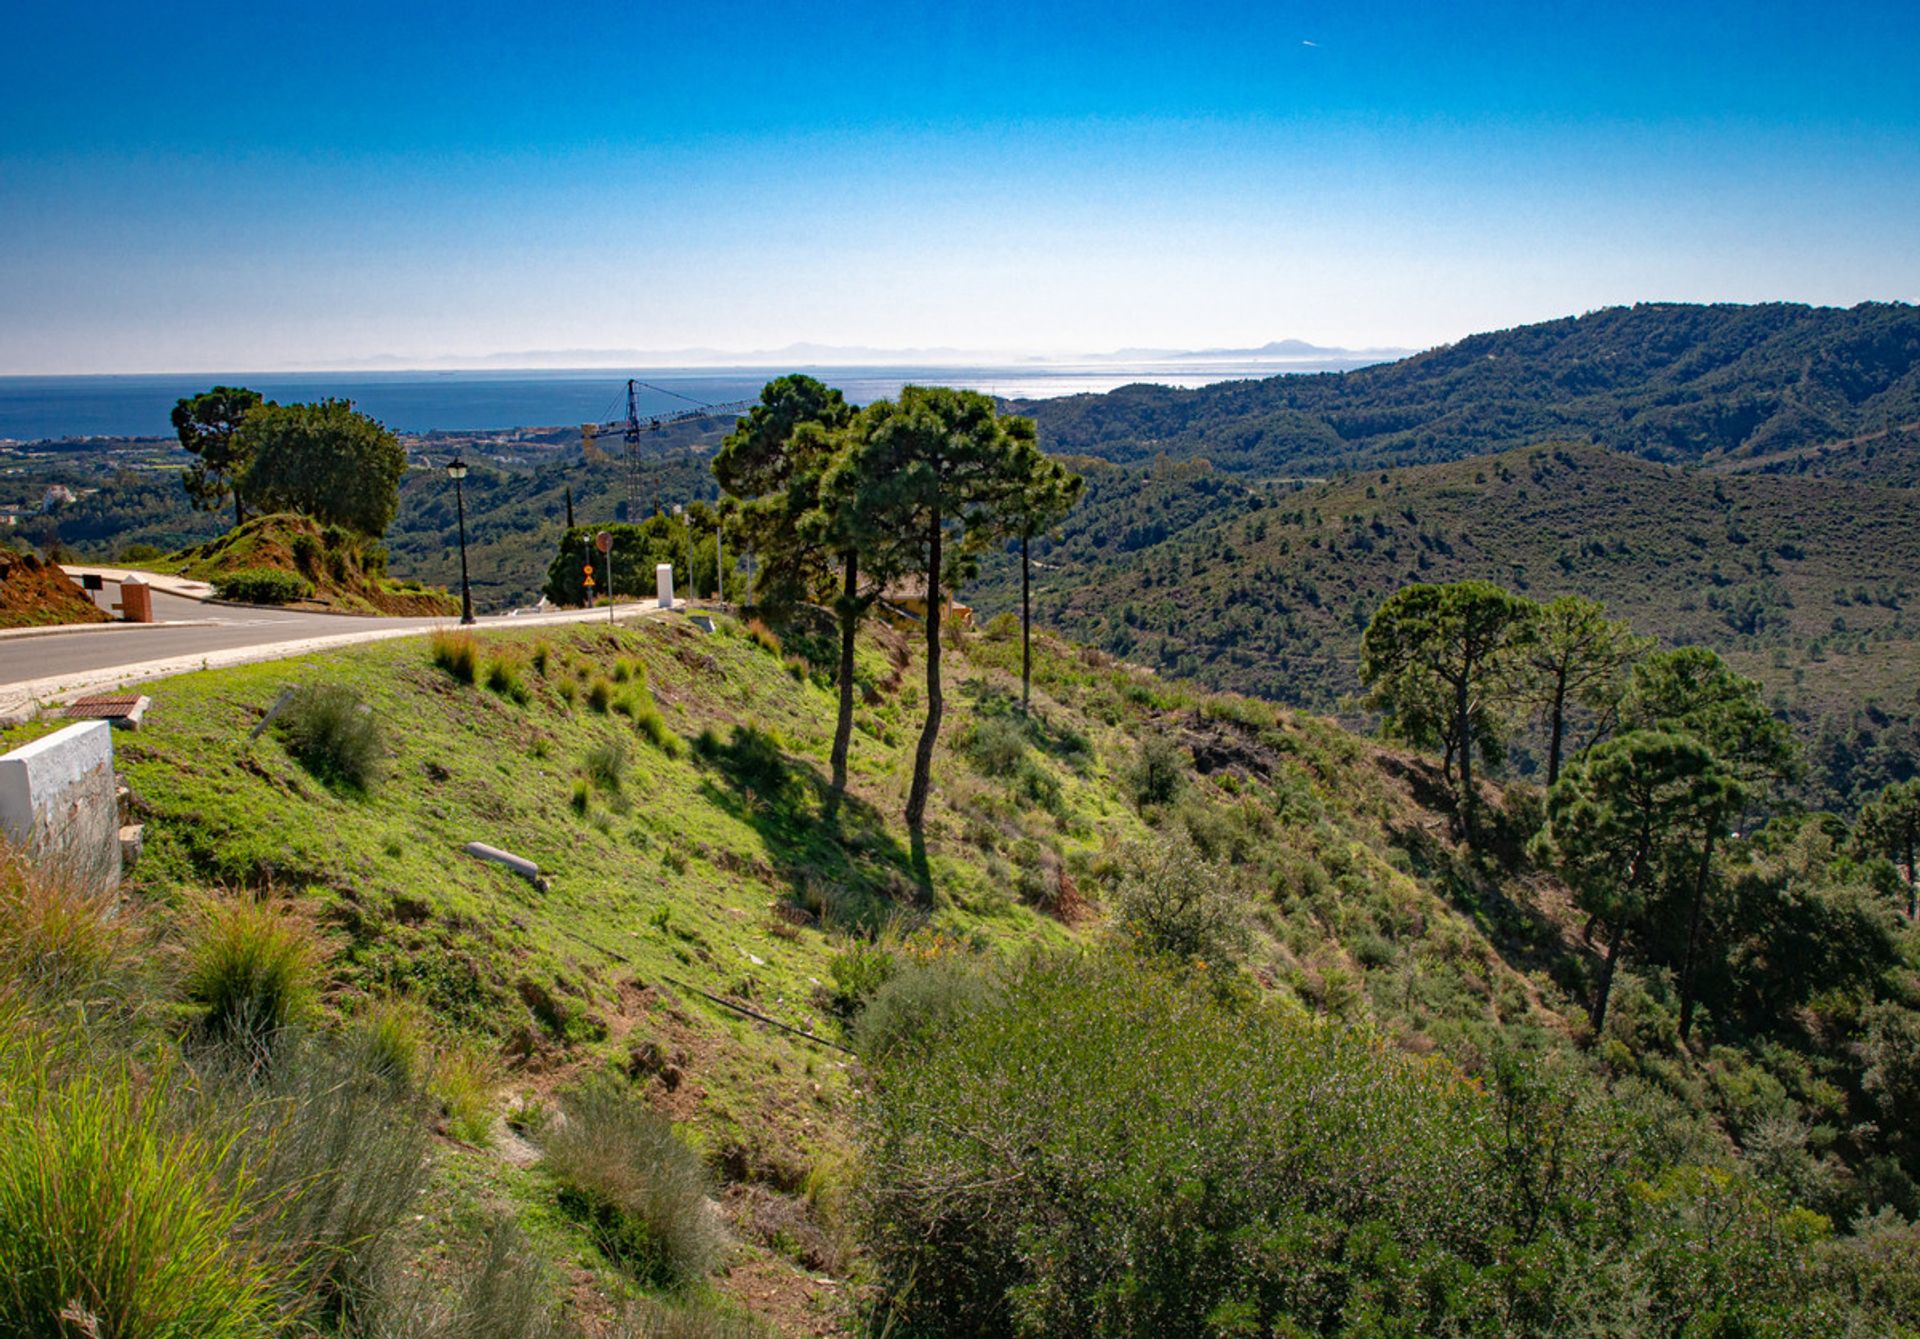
<point x="456" y="471"/>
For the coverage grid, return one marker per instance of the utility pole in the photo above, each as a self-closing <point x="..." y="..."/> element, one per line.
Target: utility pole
<point x="720" y="556"/>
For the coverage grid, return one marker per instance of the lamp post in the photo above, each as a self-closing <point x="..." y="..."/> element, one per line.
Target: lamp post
<point x="456" y="471"/>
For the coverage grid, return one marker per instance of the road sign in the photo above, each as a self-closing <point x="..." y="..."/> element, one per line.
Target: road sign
<point x="603" y="541"/>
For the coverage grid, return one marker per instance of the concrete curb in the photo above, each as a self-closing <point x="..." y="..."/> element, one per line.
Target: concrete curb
<point x="68" y="629"/>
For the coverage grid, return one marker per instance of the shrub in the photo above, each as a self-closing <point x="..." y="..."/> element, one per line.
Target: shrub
<point x="1106" y="1148"/>
<point x="64" y="945"/>
<point x="505" y="678"/>
<point x="456" y="653"/>
<point x="1169" y="900"/>
<point x="542" y="657"/>
<point x="333" y="734"/>
<point x="995" y="745"/>
<point x="1159" y="771"/>
<point x="113" y="1219"/>
<point x="606" y="763"/>
<point x="653" y="728"/>
<point x="638" y="1187"/>
<point x="569" y="691"/>
<point x="502" y="1295"/>
<point x="764" y="637"/>
<point x="582" y="797"/>
<point x="306" y="551"/>
<point x="599" y="694"/>
<point x="919" y="1002"/>
<point x="391" y="1041"/>
<point x="858" y="971"/>
<point x="463" y="1081"/>
<point x="262" y="585"/>
<point x="331" y="1154"/>
<point x="254" y="965"/>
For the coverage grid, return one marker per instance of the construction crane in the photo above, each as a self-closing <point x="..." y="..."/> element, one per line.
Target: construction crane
<point x="633" y="426"/>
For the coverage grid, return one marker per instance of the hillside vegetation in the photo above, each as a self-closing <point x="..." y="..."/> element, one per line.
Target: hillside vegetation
<point x="1123" y="918"/>
<point x="1667" y="381"/>
<point x="284" y="558"/>
<point x="1803" y="584"/>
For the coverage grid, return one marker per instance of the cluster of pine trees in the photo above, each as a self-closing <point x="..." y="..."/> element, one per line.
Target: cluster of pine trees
<point x="839" y="503"/>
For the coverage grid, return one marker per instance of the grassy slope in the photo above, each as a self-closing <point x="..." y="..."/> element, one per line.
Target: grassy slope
<point x="334" y="567"/>
<point x="687" y="880"/>
<point x="1803" y="584"/>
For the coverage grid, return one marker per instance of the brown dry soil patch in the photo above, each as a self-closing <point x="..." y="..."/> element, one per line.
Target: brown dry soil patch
<point x="38" y="594"/>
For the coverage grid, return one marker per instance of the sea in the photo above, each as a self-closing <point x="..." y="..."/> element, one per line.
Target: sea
<point x="34" y="408"/>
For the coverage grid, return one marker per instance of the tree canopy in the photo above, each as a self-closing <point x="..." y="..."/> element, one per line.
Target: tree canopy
<point x="324" y="460"/>
<point x="208" y="425"/>
<point x="1441" y="663"/>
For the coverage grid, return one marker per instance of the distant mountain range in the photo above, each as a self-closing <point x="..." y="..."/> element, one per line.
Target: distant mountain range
<point x="1283" y="354"/>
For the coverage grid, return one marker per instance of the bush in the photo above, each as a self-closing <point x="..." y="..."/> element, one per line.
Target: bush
<point x="640" y="1190"/>
<point x="505" y="678"/>
<point x="65" y="946"/>
<point x="919" y="1003"/>
<point x="463" y="1081"/>
<point x="262" y="585"/>
<point x="254" y="965"/>
<point x="995" y="745"/>
<point x="600" y="694"/>
<point x="391" y="1041"/>
<point x="1159" y="771"/>
<point x="542" y="657"/>
<point x="764" y="637"/>
<point x="1170" y="900"/>
<point x="333" y="734"/>
<point x="331" y="1154"/>
<point x="502" y="1295"/>
<point x="113" y="1218"/>
<point x="858" y="971"/>
<point x="1106" y="1148"/>
<point x="653" y="728"/>
<point x="606" y="764"/>
<point x="456" y="653"/>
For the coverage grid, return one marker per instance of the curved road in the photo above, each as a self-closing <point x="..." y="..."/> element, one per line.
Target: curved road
<point x="44" y="666"/>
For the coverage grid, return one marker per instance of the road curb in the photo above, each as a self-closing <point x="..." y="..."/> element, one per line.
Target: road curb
<point x="68" y="629"/>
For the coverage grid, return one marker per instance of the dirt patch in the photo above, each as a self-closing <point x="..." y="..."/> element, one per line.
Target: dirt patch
<point x="38" y="594"/>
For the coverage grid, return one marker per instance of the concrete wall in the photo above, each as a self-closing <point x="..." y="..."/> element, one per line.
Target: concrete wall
<point x="58" y="803"/>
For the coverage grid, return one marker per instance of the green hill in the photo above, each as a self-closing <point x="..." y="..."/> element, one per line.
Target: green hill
<point x="669" y="784"/>
<point x="1666" y="381"/>
<point x="1802" y="583"/>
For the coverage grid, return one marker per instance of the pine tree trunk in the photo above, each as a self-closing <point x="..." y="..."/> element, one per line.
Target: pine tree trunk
<point x="1026" y="627"/>
<point x="1559" y="721"/>
<point x="1693" y="937"/>
<point x="849" y="627"/>
<point x="1464" y="729"/>
<point x="923" y="752"/>
<point x="1599" y="1014"/>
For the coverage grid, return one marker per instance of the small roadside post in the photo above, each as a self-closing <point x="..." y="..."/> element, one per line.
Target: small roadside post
<point x="604" y="542"/>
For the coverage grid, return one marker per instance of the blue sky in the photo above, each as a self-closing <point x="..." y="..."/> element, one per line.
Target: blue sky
<point x="188" y="187"/>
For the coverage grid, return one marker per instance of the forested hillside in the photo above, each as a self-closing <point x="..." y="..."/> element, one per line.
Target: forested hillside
<point x="1667" y="381"/>
<point x="393" y="1089"/>
<point x="1803" y="584"/>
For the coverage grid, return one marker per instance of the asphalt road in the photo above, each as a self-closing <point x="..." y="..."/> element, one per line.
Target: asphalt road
<point x="57" y="666"/>
<point x="202" y="628"/>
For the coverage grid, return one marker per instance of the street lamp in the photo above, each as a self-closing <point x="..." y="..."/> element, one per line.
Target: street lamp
<point x="456" y="471"/>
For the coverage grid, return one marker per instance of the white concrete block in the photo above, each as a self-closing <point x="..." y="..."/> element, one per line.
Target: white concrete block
<point x="663" y="579"/>
<point x="59" y="802"/>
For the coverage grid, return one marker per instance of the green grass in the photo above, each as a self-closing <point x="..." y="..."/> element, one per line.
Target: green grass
<point x="252" y="965"/>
